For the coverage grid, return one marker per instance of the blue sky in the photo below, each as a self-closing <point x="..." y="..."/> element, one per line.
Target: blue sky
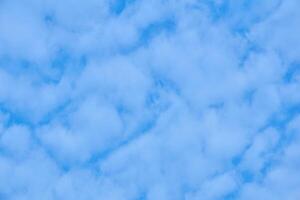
<point x="149" y="100"/>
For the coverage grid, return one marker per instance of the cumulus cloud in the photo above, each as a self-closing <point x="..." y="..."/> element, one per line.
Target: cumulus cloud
<point x="124" y="99"/>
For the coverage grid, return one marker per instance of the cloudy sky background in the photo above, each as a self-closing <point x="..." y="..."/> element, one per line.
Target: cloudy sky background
<point x="149" y="100"/>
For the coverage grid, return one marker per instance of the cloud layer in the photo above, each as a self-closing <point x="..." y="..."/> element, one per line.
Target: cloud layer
<point x="136" y="99"/>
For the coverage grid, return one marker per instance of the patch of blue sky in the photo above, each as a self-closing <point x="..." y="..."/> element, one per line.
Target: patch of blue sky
<point x="148" y="33"/>
<point x="118" y="6"/>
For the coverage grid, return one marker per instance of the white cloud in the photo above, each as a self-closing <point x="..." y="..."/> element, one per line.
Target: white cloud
<point x="149" y="100"/>
<point x="16" y="140"/>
